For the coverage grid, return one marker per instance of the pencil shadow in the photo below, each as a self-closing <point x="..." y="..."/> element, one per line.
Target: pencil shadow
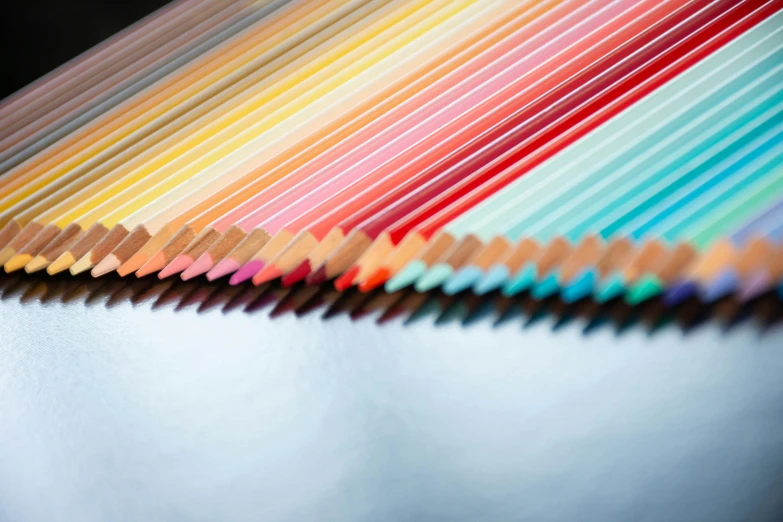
<point x="405" y="307"/>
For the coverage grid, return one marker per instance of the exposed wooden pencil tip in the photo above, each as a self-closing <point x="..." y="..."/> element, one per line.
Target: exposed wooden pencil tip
<point x="107" y="264"/>
<point x="6" y="254"/>
<point x="8" y="233"/>
<point x="64" y="262"/>
<point x="37" y="264"/>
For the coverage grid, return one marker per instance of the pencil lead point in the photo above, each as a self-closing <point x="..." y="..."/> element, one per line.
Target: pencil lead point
<point x="132" y="265"/>
<point x="433" y="277"/>
<point x="202" y="265"/>
<point x="406" y="277"/>
<point x="492" y="279"/>
<point x="756" y="285"/>
<point x="520" y="282"/>
<point x="546" y="286"/>
<point x="462" y="279"/>
<point x="724" y="284"/>
<point x="246" y="271"/>
<point x="82" y="265"/>
<point x="107" y="264"/>
<point x="647" y="287"/>
<point x="345" y="281"/>
<point x="64" y="262"/>
<point x="679" y="292"/>
<point x="177" y="265"/>
<point x="297" y="274"/>
<point x="611" y="288"/>
<point x="266" y="274"/>
<point x="317" y="277"/>
<point x="579" y="287"/>
<point x="375" y="280"/>
<point x="223" y="268"/>
<point x="36" y="264"/>
<point x="17" y="262"/>
<point x="154" y="264"/>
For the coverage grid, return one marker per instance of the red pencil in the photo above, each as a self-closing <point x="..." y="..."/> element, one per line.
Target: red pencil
<point x="372" y="145"/>
<point x="416" y="230"/>
<point x="456" y="141"/>
<point x="487" y="163"/>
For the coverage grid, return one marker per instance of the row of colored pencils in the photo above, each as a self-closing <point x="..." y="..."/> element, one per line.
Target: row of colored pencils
<point x="586" y="148"/>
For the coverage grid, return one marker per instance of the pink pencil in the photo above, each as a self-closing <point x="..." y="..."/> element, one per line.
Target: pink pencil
<point x="368" y="164"/>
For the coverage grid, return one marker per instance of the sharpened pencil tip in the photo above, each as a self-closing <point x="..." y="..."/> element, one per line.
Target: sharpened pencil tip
<point x="724" y="284"/>
<point x="178" y="264"/>
<point x="82" y="265"/>
<point x="647" y="287"/>
<point x="613" y="287"/>
<point x="202" y="265"/>
<point x="223" y="268"/>
<point x="154" y="264"/>
<point x="17" y="262"/>
<point x="492" y="280"/>
<point x="679" y="292"/>
<point x="433" y="277"/>
<point x="132" y="265"/>
<point x="755" y="285"/>
<point x="297" y="274"/>
<point x="462" y="279"/>
<point x="547" y="286"/>
<point x="520" y="282"/>
<point x="406" y="277"/>
<point x="36" y="264"/>
<point x="266" y="274"/>
<point x="317" y="277"/>
<point x="375" y="280"/>
<point x="579" y="287"/>
<point x="345" y="281"/>
<point x="246" y="271"/>
<point x="64" y="262"/>
<point x="107" y="264"/>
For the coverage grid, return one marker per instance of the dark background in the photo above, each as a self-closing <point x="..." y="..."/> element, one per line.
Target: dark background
<point x="37" y="36"/>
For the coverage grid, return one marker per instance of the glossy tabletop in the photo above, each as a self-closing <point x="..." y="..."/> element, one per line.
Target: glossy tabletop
<point x="161" y="401"/>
